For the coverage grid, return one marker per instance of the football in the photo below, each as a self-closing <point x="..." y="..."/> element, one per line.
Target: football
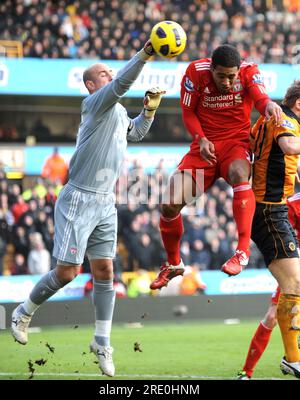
<point x="168" y="39"/>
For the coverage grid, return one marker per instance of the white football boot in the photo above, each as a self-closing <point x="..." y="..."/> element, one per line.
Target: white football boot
<point x="290" y="368"/>
<point x="19" y="325"/>
<point x="104" y="355"/>
<point x="242" y="376"/>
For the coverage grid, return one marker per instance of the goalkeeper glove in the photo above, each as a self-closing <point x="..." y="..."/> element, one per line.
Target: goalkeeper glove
<point x="152" y="100"/>
<point x="147" y="51"/>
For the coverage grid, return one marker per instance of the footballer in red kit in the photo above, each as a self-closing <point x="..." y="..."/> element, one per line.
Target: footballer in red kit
<point x="217" y="96"/>
<point x="220" y="113"/>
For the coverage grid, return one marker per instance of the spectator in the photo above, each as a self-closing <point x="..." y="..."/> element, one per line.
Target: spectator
<point x="4" y="227"/>
<point x="131" y="237"/>
<point x="20" y="241"/>
<point x="200" y="257"/>
<point x="32" y="210"/>
<point x="13" y="193"/>
<point x="217" y="256"/>
<point x="40" y="130"/>
<point x="3" y="186"/>
<point x="19" y="266"/>
<point x="19" y="208"/>
<point x="55" y="168"/>
<point x="39" y="260"/>
<point x="139" y="284"/>
<point x="51" y="197"/>
<point x="144" y="252"/>
<point x="191" y="282"/>
<point x="28" y="224"/>
<point x="42" y="226"/>
<point x="2" y="253"/>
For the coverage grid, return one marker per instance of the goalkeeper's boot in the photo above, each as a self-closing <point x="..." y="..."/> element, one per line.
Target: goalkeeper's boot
<point x="242" y="376"/>
<point x="236" y="263"/>
<point x="104" y="355"/>
<point x="19" y="325"/>
<point x="167" y="272"/>
<point x="290" y="368"/>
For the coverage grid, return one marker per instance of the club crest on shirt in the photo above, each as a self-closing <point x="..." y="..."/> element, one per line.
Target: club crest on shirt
<point x="188" y="84"/>
<point x="237" y="86"/>
<point x="287" y="124"/>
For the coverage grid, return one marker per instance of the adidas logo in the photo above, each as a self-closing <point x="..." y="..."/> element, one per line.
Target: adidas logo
<point x="206" y="90"/>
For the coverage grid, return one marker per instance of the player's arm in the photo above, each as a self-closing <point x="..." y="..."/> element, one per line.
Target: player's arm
<point x="289" y="144"/>
<point x="111" y="93"/>
<point x="139" y="126"/>
<point x="258" y="93"/>
<point x="188" y="101"/>
<point x="287" y="136"/>
<point x="189" y="98"/>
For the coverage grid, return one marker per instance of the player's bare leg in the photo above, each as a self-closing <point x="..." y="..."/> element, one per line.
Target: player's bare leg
<point x="243" y="211"/>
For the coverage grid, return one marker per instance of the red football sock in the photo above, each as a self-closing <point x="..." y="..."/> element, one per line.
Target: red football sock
<point x="258" y="344"/>
<point x="243" y="211"/>
<point x="171" y="232"/>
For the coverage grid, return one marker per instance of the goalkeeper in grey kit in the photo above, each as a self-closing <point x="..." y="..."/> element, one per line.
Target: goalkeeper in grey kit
<point x="85" y="213"/>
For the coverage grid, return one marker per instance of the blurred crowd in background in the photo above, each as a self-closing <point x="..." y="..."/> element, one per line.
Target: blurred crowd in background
<point x="264" y="31"/>
<point x="27" y="226"/>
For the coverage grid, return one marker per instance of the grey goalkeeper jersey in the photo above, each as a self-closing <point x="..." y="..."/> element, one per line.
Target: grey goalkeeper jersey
<point x="103" y="132"/>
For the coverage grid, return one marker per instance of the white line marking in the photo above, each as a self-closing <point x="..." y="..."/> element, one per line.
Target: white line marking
<point x="128" y="376"/>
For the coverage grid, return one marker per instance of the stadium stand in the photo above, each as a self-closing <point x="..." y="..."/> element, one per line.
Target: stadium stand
<point x="265" y="31"/>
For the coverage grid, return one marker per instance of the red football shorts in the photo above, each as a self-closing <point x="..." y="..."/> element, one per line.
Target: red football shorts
<point x="226" y="152"/>
<point x="275" y="296"/>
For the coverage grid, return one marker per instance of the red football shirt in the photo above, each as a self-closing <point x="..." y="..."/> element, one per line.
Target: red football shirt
<point x="218" y="116"/>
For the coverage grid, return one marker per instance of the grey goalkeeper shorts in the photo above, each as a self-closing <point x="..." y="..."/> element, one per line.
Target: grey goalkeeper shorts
<point x="85" y="223"/>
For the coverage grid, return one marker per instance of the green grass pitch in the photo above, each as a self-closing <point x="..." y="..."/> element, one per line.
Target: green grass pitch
<point x="169" y="351"/>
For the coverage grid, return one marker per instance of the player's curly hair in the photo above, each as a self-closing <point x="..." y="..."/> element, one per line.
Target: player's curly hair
<point x="292" y="94"/>
<point x="226" y="56"/>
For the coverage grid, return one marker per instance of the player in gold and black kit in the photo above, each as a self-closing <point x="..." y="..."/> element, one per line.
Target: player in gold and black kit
<point x="276" y="149"/>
